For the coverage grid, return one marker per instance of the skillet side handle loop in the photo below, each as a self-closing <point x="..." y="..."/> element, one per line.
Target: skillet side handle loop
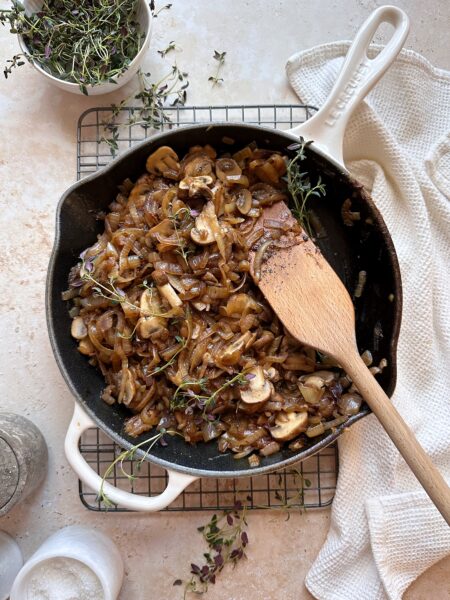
<point x="358" y="76"/>
<point x="176" y="484"/>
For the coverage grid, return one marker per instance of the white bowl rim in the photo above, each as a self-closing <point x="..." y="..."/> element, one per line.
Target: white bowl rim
<point x="89" y="86"/>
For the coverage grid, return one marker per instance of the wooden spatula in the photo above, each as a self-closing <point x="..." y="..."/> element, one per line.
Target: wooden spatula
<point x="315" y="307"/>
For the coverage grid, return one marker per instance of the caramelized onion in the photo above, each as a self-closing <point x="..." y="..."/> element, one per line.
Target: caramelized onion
<point x="163" y="306"/>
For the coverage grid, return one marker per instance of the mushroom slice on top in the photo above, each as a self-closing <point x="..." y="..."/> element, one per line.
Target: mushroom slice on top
<point x="259" y="389"/>
<point x="206" y="226"/>
<point x="244" y="199"/>
<point x="78" y="328"/>
<point x="197" y="186"/>
<point x="200" y="165"/>
<point x="312" y="386"/>
<point x="227" y="169"/>
<point x="289" y="425"/>
<point x="150" y="308"/>
<point x="164" y="161"/>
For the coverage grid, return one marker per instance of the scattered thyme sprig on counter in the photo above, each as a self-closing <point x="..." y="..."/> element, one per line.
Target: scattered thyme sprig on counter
<point x="300" y="186"/>
<point x="226" y="538"/>
<point x="220" y="57"/>
<point x="157" y="12"/>
<point x="148" y="105"/>
<point x="170" y="46"/>
<point x="85" y="43"/>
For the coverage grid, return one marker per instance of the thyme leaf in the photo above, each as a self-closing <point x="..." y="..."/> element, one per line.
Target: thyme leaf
<point x="226" y="539"/>
<point x="185" y="397"/>
<point x="157" y="12"/>
<point x="171" y="46"/>
<point x="220" y="58"/>
<point x="300" y="186"/>
<point x="148" y="105"/>
<point x="128" y="455"/>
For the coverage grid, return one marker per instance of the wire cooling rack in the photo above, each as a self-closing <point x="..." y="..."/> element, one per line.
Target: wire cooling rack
<point x="94" y="151"/>
<point x="309" y="485"/>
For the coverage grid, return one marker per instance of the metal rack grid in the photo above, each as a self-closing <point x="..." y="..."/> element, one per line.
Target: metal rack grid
<point x="93" y="152"/>
<point x="312" y="483"/>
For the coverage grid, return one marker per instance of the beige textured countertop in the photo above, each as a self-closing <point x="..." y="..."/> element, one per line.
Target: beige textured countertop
<point x="37" y="163"/>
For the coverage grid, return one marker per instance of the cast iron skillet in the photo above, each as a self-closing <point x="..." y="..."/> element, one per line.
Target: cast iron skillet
<point x="364" y="246"/>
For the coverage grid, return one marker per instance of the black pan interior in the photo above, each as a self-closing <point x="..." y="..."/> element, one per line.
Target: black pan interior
<point x="364" y="246"/>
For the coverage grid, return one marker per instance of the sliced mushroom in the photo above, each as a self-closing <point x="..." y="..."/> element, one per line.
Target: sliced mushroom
<point x="289" y="425"/>
<point x="349" y="404"/>
<point x="164" y="161"/>
<point x="259" y="388"/>
<point x="269" y="170"/>
<point x="243" y="199"/>
<point x="199" y="165"/>
<point x="150" y="307"/>
<point x="227" y="168"/>
<point x="78" y="329"/>
<point x="205" y="226"/>
<point x="272" y="374"/>
<point x="197" y="186"/>
<point x="86" y="347"/>
<point x="326" y="376"/>
<point x="232" y="353"/>
<point x="311" y="394"/>
<point x="312" y="387"/>
<point x="266" y="195"/>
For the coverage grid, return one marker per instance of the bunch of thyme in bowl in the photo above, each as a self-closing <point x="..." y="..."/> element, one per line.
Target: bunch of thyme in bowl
<point x="88" y="43"/>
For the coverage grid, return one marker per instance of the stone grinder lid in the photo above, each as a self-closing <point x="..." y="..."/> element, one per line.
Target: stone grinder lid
<point x="9" y="473"/>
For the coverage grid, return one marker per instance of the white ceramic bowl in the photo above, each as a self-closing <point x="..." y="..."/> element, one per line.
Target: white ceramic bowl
<point x="144" y="17"/>
<point x="11" y="562"/>
<point x="83" y="544"/>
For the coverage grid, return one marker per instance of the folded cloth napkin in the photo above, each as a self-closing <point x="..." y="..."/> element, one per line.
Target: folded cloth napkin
<point x="384" y="530"/>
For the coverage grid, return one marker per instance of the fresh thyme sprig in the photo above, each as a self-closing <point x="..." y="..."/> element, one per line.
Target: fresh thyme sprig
<point x="170" y="46"/>
<point x="129" y="455"/>
<point x="85" y="43"/>
<point x="185" y="397"/>
<point x="111" y="293"/>
<point x="183" y="343"/>
<point x="300" y="186"/>
<point x="220" y="57"/>
<point x="157" y="12"/>
<point x="182" y="249"/>
<point x="148" y="105"/>
<point x="295" y="501"/>
<point x="226" y="538"/>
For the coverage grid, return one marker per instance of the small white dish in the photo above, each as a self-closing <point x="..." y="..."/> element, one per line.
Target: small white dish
<point x="77" y="544"/>
<point x="11" y="561"/>
<point x="144" y="18"/>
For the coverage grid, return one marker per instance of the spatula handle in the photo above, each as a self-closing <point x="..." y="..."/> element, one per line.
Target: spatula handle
<point x="402" y="436"/>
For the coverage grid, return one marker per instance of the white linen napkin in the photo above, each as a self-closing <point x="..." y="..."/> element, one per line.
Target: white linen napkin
<point x="384" y="530"/>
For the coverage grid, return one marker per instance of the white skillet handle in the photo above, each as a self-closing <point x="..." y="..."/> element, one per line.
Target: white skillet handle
<point x="357" y="77"/>
<point x="176" y="484"/>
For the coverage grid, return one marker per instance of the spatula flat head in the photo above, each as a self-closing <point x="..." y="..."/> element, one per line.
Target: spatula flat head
<point x="304" y="291"/>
